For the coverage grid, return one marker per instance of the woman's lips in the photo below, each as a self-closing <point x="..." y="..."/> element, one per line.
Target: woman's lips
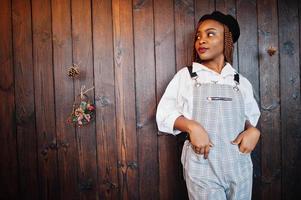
<point x="202" y="50"/>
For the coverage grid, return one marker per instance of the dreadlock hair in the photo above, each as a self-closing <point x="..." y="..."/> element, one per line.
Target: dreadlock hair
<point x="228" y="46"/>
<point x="195" y="55"/>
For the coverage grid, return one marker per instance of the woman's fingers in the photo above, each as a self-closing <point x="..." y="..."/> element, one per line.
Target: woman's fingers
<point x="207" y="149"/>
<point x="202" y="150"/>
<point x="196" y="149"/>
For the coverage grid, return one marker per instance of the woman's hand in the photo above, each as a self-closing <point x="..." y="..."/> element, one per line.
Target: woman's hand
<point x="197" y="134"/>
<point x="248" y="139"/>
<point x="199" y="138"/>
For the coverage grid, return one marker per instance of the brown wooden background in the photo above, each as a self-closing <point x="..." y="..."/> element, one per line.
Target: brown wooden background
<point x="129" y="50"/>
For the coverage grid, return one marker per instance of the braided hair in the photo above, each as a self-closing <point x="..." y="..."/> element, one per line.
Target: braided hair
<point x="228" y="46"/>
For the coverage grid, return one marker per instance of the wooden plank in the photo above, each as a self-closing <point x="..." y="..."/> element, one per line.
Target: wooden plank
<point x="64" y="97"/>
<point x="165" y="69"/>
<point x="289" y="44"/>
<point x="44" y="99"/>
<point x="247" y="43"/>
<point x="229" y="7"/>
<point x="146" y="99"/>
<point x="86" y="138"/>
<point x="125" y="99"/>
<point x="8" y="154"/>
<point x="270" y="185"/>
<point x="248" y="66"/>
<point x="184" y="38"/>
<point x="203" y="7"/>
<point x="105" y="93"/>
<point x="184" y="32"/>
<point x="24" y="94"/>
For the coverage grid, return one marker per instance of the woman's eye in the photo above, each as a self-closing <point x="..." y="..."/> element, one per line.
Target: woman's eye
<point x="210" y="34"/>
<point x="198" y="37"/>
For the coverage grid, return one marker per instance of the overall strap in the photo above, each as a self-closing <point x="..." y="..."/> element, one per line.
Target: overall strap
<point x="236" y="78"/>
<point x="192" y="74"/>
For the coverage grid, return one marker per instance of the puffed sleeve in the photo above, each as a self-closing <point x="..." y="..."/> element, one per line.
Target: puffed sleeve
<point x="252" y="112"/>
<point x="169" y="108"/>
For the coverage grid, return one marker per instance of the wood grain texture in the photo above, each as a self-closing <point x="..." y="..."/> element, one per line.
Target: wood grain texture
<point x="268" y="183"/>
<point x="248" y="64"/>
<point x="184" y="43"/>
<point x="44" y="99"/>
<point x="125" y="99"/>
<point x="165" y="69"/>
<point x="184" y="32"/>
<point x="130" y="50"/>
<point x="290" y="98"/>
<point x="203" y="7"/>
<point x="145" y="81"/>
<point x="24" y="99"/>
<point x="105" y="100"/>
<point x="8" y="140"/>
<point x="64" y="96"/>
<point x="83" y="56"/>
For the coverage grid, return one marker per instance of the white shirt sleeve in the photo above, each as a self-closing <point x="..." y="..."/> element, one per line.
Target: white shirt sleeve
<point x="252" y="112"/>
<point x="169" y="107"/>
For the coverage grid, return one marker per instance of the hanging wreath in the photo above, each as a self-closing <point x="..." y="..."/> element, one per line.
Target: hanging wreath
<point x="83" y="111"/>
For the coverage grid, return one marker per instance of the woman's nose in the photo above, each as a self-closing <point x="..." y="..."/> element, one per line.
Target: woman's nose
<point x="202" y="41"/>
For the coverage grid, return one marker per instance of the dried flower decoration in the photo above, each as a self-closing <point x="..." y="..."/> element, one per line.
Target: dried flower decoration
<point x="83" y="110"/>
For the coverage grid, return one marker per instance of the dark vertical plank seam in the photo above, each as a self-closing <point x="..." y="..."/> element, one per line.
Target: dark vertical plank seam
<point x="259" y="98"/>
<point x="280" y="110"/>
<point x="115" y="110"/>
<point x="156" y="96"/>
<point x="299" y="18"/>
<point x="258" y="74"/>
<point x="74" y="96"/>
<point x="155" y="79"/>
<point x="214" y="4"/>
<point x="135" y="100"/>
<point x="257" y="41"/>
<point x="154" y="42"/>
<point x="195" y="25"/>
<point x="54" y="102"/>
<point x="95" y="119"/>
<point x="174" y="32"/>
<point x="155" y="68"/>
<point x="15" y="117"/>
<point x="34" y="103"/>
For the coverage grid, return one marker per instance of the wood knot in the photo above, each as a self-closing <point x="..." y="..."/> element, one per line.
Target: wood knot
<point x="132" y="165"/>
<point x="86" y="185"/>
<point x="103" y="100"/>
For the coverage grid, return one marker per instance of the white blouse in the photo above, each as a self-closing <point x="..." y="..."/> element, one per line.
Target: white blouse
<point x="177" y="99"/>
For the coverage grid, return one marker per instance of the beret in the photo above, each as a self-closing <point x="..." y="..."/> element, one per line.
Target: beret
<point x="227" y="20"/>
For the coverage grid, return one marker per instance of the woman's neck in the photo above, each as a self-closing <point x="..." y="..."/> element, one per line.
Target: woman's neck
<point x="216" y="65"/>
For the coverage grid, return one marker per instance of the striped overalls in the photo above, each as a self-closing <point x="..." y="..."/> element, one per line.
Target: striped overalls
<point x="227" y="173"/>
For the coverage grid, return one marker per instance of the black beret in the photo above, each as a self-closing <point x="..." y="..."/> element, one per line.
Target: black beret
<point x="227" y="20"/>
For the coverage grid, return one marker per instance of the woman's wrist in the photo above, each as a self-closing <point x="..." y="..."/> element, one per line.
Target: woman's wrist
<point x="250" y="127"/>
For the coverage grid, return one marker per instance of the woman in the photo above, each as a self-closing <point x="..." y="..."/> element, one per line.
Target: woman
<point x="215" y="106"/>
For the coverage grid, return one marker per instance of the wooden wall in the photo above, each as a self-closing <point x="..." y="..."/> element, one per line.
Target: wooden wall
<point x="129" y="50"/>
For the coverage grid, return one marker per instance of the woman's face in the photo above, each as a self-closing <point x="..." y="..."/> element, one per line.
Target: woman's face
<point x="209" y="42"/>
